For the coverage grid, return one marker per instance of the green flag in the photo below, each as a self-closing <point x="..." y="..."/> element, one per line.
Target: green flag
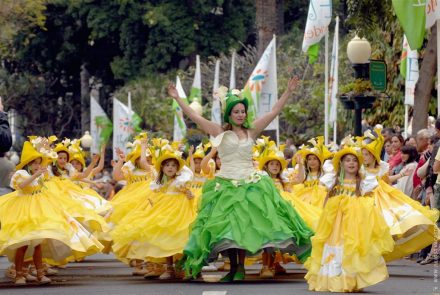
<point x="412" y="18"/>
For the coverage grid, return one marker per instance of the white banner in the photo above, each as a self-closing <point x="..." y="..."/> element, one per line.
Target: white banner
<point x="216" y="111"/>
<point x="232" y="75"/>
<point x="179" y="130"/>
<point x="263" y="85"/>
<point x="318" y="19"/>
<point x="100" y="126"/>
<point x="123" y="127"/>
<point x="412" y="73"/>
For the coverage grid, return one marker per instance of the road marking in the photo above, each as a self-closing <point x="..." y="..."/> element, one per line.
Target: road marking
<point x="214" y="292"/>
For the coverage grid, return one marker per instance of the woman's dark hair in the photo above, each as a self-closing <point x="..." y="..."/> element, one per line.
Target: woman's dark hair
<point x="408" y="139"/>
<point x="228" y="126"/>
<point x="332" y="192"/>
<point x="159" y="179"/>
<point x="215" y="157"/>
<point x="400" y="137"/>
<point x="388" y="140"/>
<point x="55" y="169"/>
<point x="307" y="167"/>
<point x="411" y="151"/>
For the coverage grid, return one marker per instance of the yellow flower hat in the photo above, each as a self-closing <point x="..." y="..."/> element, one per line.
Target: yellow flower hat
<point x="28" y="154"/>
<point x="266" y="150"/>
<point x="373" y="144"/>
<point x="162" y="150"/>
<point x="136" y="148"/>
<point x="349" y="147"/>
<point x="63" y="147"/>
<point x="37" y="147"/>
<point x="317" y="149"/>
<point x="76" y="152"/>
<point x="200" y="151"/>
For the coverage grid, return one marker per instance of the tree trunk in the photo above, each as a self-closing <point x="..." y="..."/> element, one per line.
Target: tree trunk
<point x="424" y="85"/>
<point x="85" y="99"/>
<point x="269" y="20"/>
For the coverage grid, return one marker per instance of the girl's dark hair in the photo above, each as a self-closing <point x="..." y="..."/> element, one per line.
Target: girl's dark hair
<point x="333" y="191"/>
<point x="307" y="167"/>
<point x="159" y="179"/>
<point x="55" y="169"/>
<point x="388" y="140"/>
<point x="408" y="139"/>
<point x="411" y="151"/>
<point x="266" y="168"/>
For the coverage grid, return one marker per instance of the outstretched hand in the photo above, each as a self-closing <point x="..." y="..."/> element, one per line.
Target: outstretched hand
<point x="172" y="91"/>
<point x="293" y="83"/>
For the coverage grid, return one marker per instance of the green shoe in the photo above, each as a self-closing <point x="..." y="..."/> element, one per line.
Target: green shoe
<point x="239" y="275"/>
<point x="228" y="278"/>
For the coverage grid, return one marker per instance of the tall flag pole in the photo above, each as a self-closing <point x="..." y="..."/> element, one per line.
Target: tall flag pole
<point x="334" y="77"/>
<point x="216" y="113"/>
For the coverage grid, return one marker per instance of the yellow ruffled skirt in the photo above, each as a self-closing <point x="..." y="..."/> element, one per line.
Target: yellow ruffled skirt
<point x="32" y="220"/>
<point x="313" y="195"/>
<point x="308" y="212"/>
<point x="412" y="225"/>
<point x="348" y="246"/>
<point x="66" y="193"/>
<point x="160" y="230"/>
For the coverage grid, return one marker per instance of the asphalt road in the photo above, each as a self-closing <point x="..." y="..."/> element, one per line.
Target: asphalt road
<point x="102" y="274"/>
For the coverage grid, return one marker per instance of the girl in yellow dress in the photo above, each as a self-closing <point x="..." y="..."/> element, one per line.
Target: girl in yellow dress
<point x="162" y="230"/>
<point x="137" y="172"/>
<point x="412" y="225"/>
<point x="352" y="235"/>
<point x="310" y="160"/>
<point x="91" y="198"/>
<point x="195" y="164"/>
<point x="71" y="196"/>
<point x="271" y="160"/>
<point x="38" y="227"/>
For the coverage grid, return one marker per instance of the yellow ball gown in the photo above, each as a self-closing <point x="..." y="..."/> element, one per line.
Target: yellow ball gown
<point x="33" y="216"/>
<point x="160" y="230"/>
<point x="133" y="194"/>
<point x="350" y="241"/>
<point x="412" y="225"/>
<point x="311" y="191"/>
<point x="70" y="198"/>
<point x="92" y="199"/>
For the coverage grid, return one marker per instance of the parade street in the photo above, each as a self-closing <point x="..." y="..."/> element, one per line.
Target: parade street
<point x="102" y="274"/>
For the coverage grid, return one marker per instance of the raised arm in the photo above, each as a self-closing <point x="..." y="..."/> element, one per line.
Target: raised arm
<point x="261" y="123"/>
<point x="143" y="163"/>
<point x="89" y="169"/>
<point x="299" y="178"/>
<point x="100" y="166"/>
<point x="117" y="169"/>
<point x="30" y="179"/>
<point x="192" y="166"/>
<point x="206" y="125"/>
<point x="205" y="161"/>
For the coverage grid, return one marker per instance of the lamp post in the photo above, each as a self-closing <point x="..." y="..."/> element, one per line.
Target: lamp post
<point x="86" y="142"/>
<point x="359" y="52"/>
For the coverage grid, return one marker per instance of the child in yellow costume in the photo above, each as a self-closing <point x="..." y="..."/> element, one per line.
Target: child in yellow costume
<point x="162" y="230"/>
<point x="70" y="195"/>
<point x="91" y="198"/>
<point x="138" y="173"/>
<point x="412" y="225"/>
<point x="310" y="160"/>
<point x="271" y="160"/>
<point x="195" y="164"/>
<point x="34" y="225"/>
<point x="352" y="235"/>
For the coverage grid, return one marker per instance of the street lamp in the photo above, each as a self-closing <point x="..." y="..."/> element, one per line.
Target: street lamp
<point x="197" y="107"/>
<point x="358" y="52"/>
<point x="86" y="140"/>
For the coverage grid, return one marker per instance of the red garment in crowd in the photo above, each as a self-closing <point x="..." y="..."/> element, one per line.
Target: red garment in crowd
<point x="395" y="160"/>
